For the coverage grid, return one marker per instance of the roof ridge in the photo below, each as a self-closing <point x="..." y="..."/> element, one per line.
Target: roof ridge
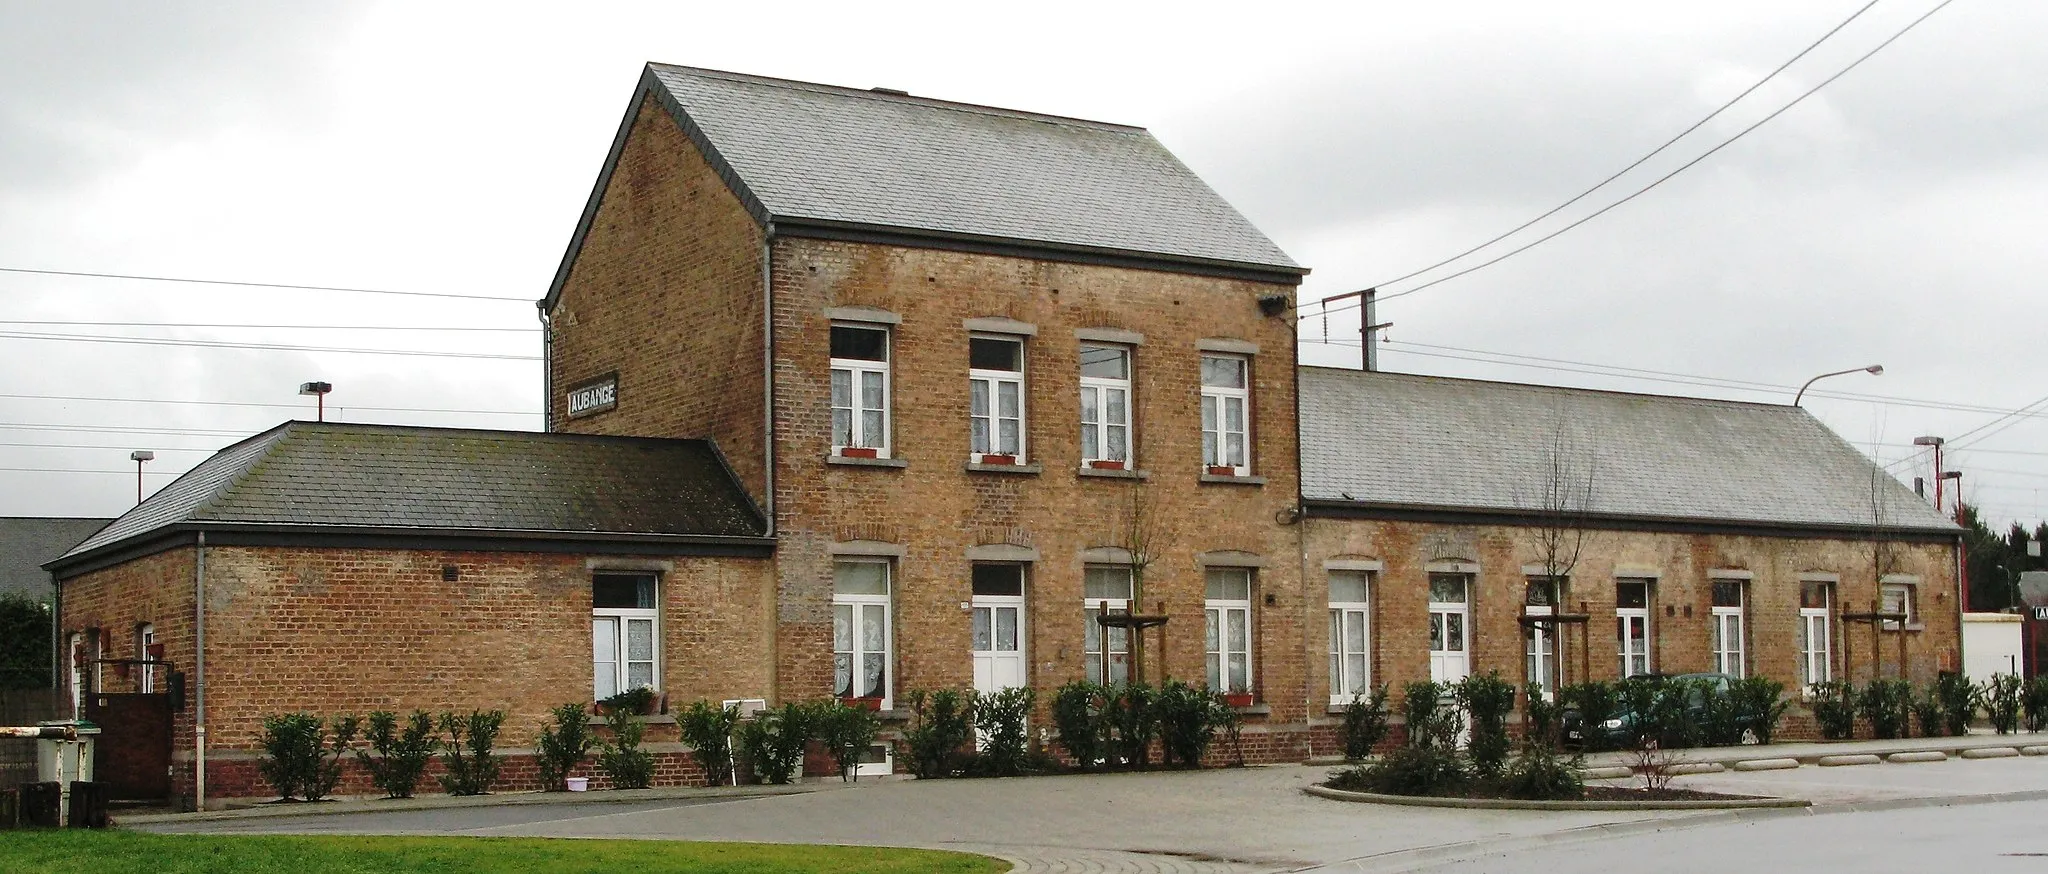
<point x="891" y="96"/>
<point x="1547" y="387"/>
<point x="497" y="433"/>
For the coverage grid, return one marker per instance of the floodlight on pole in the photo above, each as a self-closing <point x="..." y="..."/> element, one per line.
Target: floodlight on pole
<point x="1935" y="442"/>
<point x="1873" y="370"/>
<point x="318" y="390"/>
<point x="139" y="456"/>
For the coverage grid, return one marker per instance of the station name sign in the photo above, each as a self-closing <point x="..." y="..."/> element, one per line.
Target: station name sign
<point x="2041" y="613"/>
<point x="595" y="396"/>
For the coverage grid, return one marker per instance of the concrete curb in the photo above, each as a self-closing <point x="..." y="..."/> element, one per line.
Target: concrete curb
<point x="2035" y="750"/>
<point x="1518" y="804"/>
<point x="1845" y="761"/>
<point x="1991" y="753"/>
<point x="448" y="802"/>
<point x="1922" y="756"/>
<point x="1766" y="764"/>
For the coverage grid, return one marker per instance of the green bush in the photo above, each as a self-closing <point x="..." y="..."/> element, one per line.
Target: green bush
<point x="2035" y="703"/>
<point x="1430" y="723"/>
<point x="1133" y="721"/>
<point x="1077" y="715"/>
<point x="1365" y="723"/>
<point x="297" y="760"/>
<point x="639" y="699"/>
<point x="1539" y="718"/>
<point x="466" y="753"/>
<point x="1188" y="719"/>
<point x="401" y="754"/>
<point x="24" y="642"/>
<point x="1538" y="773"/>
<point x="565" y="741"/>
<point x="939" y="728"/>
<point x="1887" y="706"/>
<point x="774" y="741"/>
<point x="1597" y="701"/>
<point x="620" y="759"/>
<point x="1409" y="770"/>
<point x="1659" y="705"/>
<point x="847" y="732"/>
<point x="1834" y="709"/>
<point x="708" y="731"/>
<point x="1958" y="702"/>
<point x="1720" y="715"/>
<point x="1487" y="700"/>
<point x="2004" y="698"/>
<point x="1929" y="714"/>
<point x="1000" y="717"/>
<point x="1763" y="697"/>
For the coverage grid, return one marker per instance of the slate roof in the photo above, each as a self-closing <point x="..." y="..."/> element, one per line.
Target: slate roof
<point x="356" y="477"/>
<point x="28" y="541"/>
<point x="1405" y="441"/>
<point x="800" y="153"/>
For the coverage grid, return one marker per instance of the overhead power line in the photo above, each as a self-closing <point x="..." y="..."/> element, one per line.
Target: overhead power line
<point x="54" y="322"/>
<point x="230" y="282"/>
<point x="1659" y="180"/>
<point x="222" y="344"/>
<point x="284" y="406"/>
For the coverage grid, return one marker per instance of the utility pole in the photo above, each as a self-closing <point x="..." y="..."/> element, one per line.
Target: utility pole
<point x="318" y="390"/>
<point x="139" y="456"/>
<point x="1368" y="328"/>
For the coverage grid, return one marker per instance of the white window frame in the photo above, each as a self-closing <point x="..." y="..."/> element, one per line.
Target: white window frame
<point x="621" y="620"/>
<point x="1217" y="613"/>
<point x="1462" y="609"/>
<point x="1731" y="660"/>
<point x="992" y="382"/>
<point x="74" y="654"/>
<point x="1539" y="650"/>
<point x="1816" y="663"/>
<point x="1345" y="615"/>
<point x="1909" y="592"/>
<point x="1100" y="388"/>
<point x="1100" y="645"/>
<point x="1624" y="616"/>
<point x="858" y="618"/>
<point x="145" y="634"/>
<point x="1217" y="403"/>
<point x="857" y="371"/>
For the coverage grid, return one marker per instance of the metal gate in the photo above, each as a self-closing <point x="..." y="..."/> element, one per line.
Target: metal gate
<point x="133" y="755"/>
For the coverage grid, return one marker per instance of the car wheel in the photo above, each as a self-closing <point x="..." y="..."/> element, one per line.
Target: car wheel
<point x="1749" y="737"/>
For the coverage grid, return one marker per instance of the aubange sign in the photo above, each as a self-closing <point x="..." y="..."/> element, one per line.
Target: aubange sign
<point x="595" y="396"/>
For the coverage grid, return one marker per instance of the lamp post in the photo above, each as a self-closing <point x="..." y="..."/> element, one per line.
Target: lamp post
<point x="318" y="390"/>
<point x="1935" y="442"/>
<point x="139" y="456"/>
<point x="1873" y="370"/>
<point x="1956" y="475"/>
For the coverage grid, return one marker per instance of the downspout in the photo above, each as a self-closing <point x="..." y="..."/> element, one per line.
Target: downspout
<point x="768" y="453"/>
<point x="1301" y="538"/>
<point x="199" y="676"/>
<point x="547" y="368"/>
<point x="1962" y="590"/>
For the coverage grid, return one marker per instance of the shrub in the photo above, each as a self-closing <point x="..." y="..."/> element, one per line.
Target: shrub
<point x="1597" y="701"/>
<point x="1000" y="717"/>
<point x="1430" y="723"/>
<point x="639" y="699"/>
<point x="621" y="759"/>
<point x="1834" y="709"/>
<point x="1720" y="715"/>
<point x="466" y="753"/>
<point x="565" y="740"/>
<point x="1365" y="723"/>
<point x="1886" y="705"/>
<point x="1539" y="718"/>
<point x="401" y="755"/>
<point x="2035" y="703"/>
<point x="1958" y="702"/>
<point x="1077" y="714"/>
<point x="297" y="760"/>
<point x="847" y="732"/>
<point x="1538" y="773"/>
<point x="1188" y="719"/>
<point x="1928" y="712"/>
<point x="775" y="740"/>
<point x="1659" y="706"/>
<point x="1129" y="714"/>
<point x="1487" y="700"/>
<point x="708" y="731"/>
<point x="1762" y="699"/>
<point x="1409" y="770"/>
<point x="939" y="728"/>
<point x="2004" y="697"/>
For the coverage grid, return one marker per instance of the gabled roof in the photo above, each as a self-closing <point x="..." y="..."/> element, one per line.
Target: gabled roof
<point x="28" y="541"/>
<point x="1390" y="441"/>
<point x="821" y="160"/>
<point x="308" y="478"/>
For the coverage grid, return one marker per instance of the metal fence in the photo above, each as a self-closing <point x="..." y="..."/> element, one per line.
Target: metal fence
<point x="25" y="707"/>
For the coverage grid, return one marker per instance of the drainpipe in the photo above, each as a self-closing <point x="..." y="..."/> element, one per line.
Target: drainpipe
<point x="199" y="676"/>
<point x="768" y="449"/>
<point x="547" y="368"/>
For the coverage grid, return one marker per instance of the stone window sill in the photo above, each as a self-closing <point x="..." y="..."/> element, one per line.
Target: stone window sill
<point x="1234" y="480"/>
<point x="847" y="461"/>
<point x="1254" y="710"/>
<point x="1106" y="473"/>
<point x="1014" y="469"/>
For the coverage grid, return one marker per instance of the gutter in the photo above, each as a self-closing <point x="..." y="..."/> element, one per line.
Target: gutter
<point x="1334" y="508"/>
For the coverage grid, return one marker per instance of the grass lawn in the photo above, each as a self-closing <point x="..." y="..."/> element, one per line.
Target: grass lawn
<point x="120" y="852"/>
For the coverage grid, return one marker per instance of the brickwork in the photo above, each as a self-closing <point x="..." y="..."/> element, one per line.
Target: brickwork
<point x="1682" y="567"/>
<point x="667" y="292"/>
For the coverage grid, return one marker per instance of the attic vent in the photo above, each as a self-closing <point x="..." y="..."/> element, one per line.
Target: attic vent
<point x="450" y="573"/>
<point x="896" y="91"/>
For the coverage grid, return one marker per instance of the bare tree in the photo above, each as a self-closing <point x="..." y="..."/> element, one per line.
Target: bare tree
<point x="1563" y="504"/>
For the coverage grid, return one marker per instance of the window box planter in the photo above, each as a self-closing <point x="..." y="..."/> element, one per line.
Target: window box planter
<point x="1222" y="470"/>
<point x="1237" y="699"/>
<point x="991" y="458"/>
<point x="874" y="704"/>
<point x="1106" y="464"/>
<point x="859" y="452"/>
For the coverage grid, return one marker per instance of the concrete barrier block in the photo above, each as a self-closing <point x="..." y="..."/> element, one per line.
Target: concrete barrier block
<point x="1607" y="773"/>
<point x="1918" y="756"/>
<point x="1991" y="753"/>
<point x="1766" y="764"/>
<point x="2035" y="750"/>
<point x="1849" y="759"/>
<point x="1684" y="768"/>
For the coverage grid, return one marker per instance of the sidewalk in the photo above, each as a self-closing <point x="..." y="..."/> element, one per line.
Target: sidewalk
<point x="250" y="809"/>
<point x="1808" y="753"/>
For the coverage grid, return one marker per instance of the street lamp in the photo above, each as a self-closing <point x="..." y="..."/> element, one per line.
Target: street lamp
<point x="318" y="390"/>
<point x="1873" y="370"/>
<point x="139" y="456"/>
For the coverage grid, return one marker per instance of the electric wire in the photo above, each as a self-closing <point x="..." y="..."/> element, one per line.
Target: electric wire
<point x="278" y="285"/>
<point x="283" y="347"/>
<point x="56" y="322"/>
<point x="359" y="408"/>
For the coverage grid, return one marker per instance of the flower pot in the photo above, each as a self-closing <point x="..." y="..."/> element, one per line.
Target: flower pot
<point x="864" y="703"/>
<point x="1222" y="470"/>
<point x="1106" y="464"/>
<point x="578" y="784"/>
<point x="1237" y="699"/>
<point x="991" y="458"/>
<point x="858" y="452"/>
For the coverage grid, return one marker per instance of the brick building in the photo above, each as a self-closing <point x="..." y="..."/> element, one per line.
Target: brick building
<point x="856" y="393"/>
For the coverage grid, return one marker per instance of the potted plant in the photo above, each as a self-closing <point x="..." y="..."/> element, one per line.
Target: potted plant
<point x="865" y="703"/>
<point x="1105" y="464"/>
<point x="1222" y="470"/>
<point x="1237" y="699"/>
<point x="998" y="458"/>
<point x="639" y="700"/>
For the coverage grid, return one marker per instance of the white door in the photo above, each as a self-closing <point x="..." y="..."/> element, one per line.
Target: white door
<point x="1541" y="650"/>
<point x="998" y="642"/>
<point x="1449" y="627"/>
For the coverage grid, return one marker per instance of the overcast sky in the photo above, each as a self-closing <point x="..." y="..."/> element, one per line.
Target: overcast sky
<point x="1895" y="217"/>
